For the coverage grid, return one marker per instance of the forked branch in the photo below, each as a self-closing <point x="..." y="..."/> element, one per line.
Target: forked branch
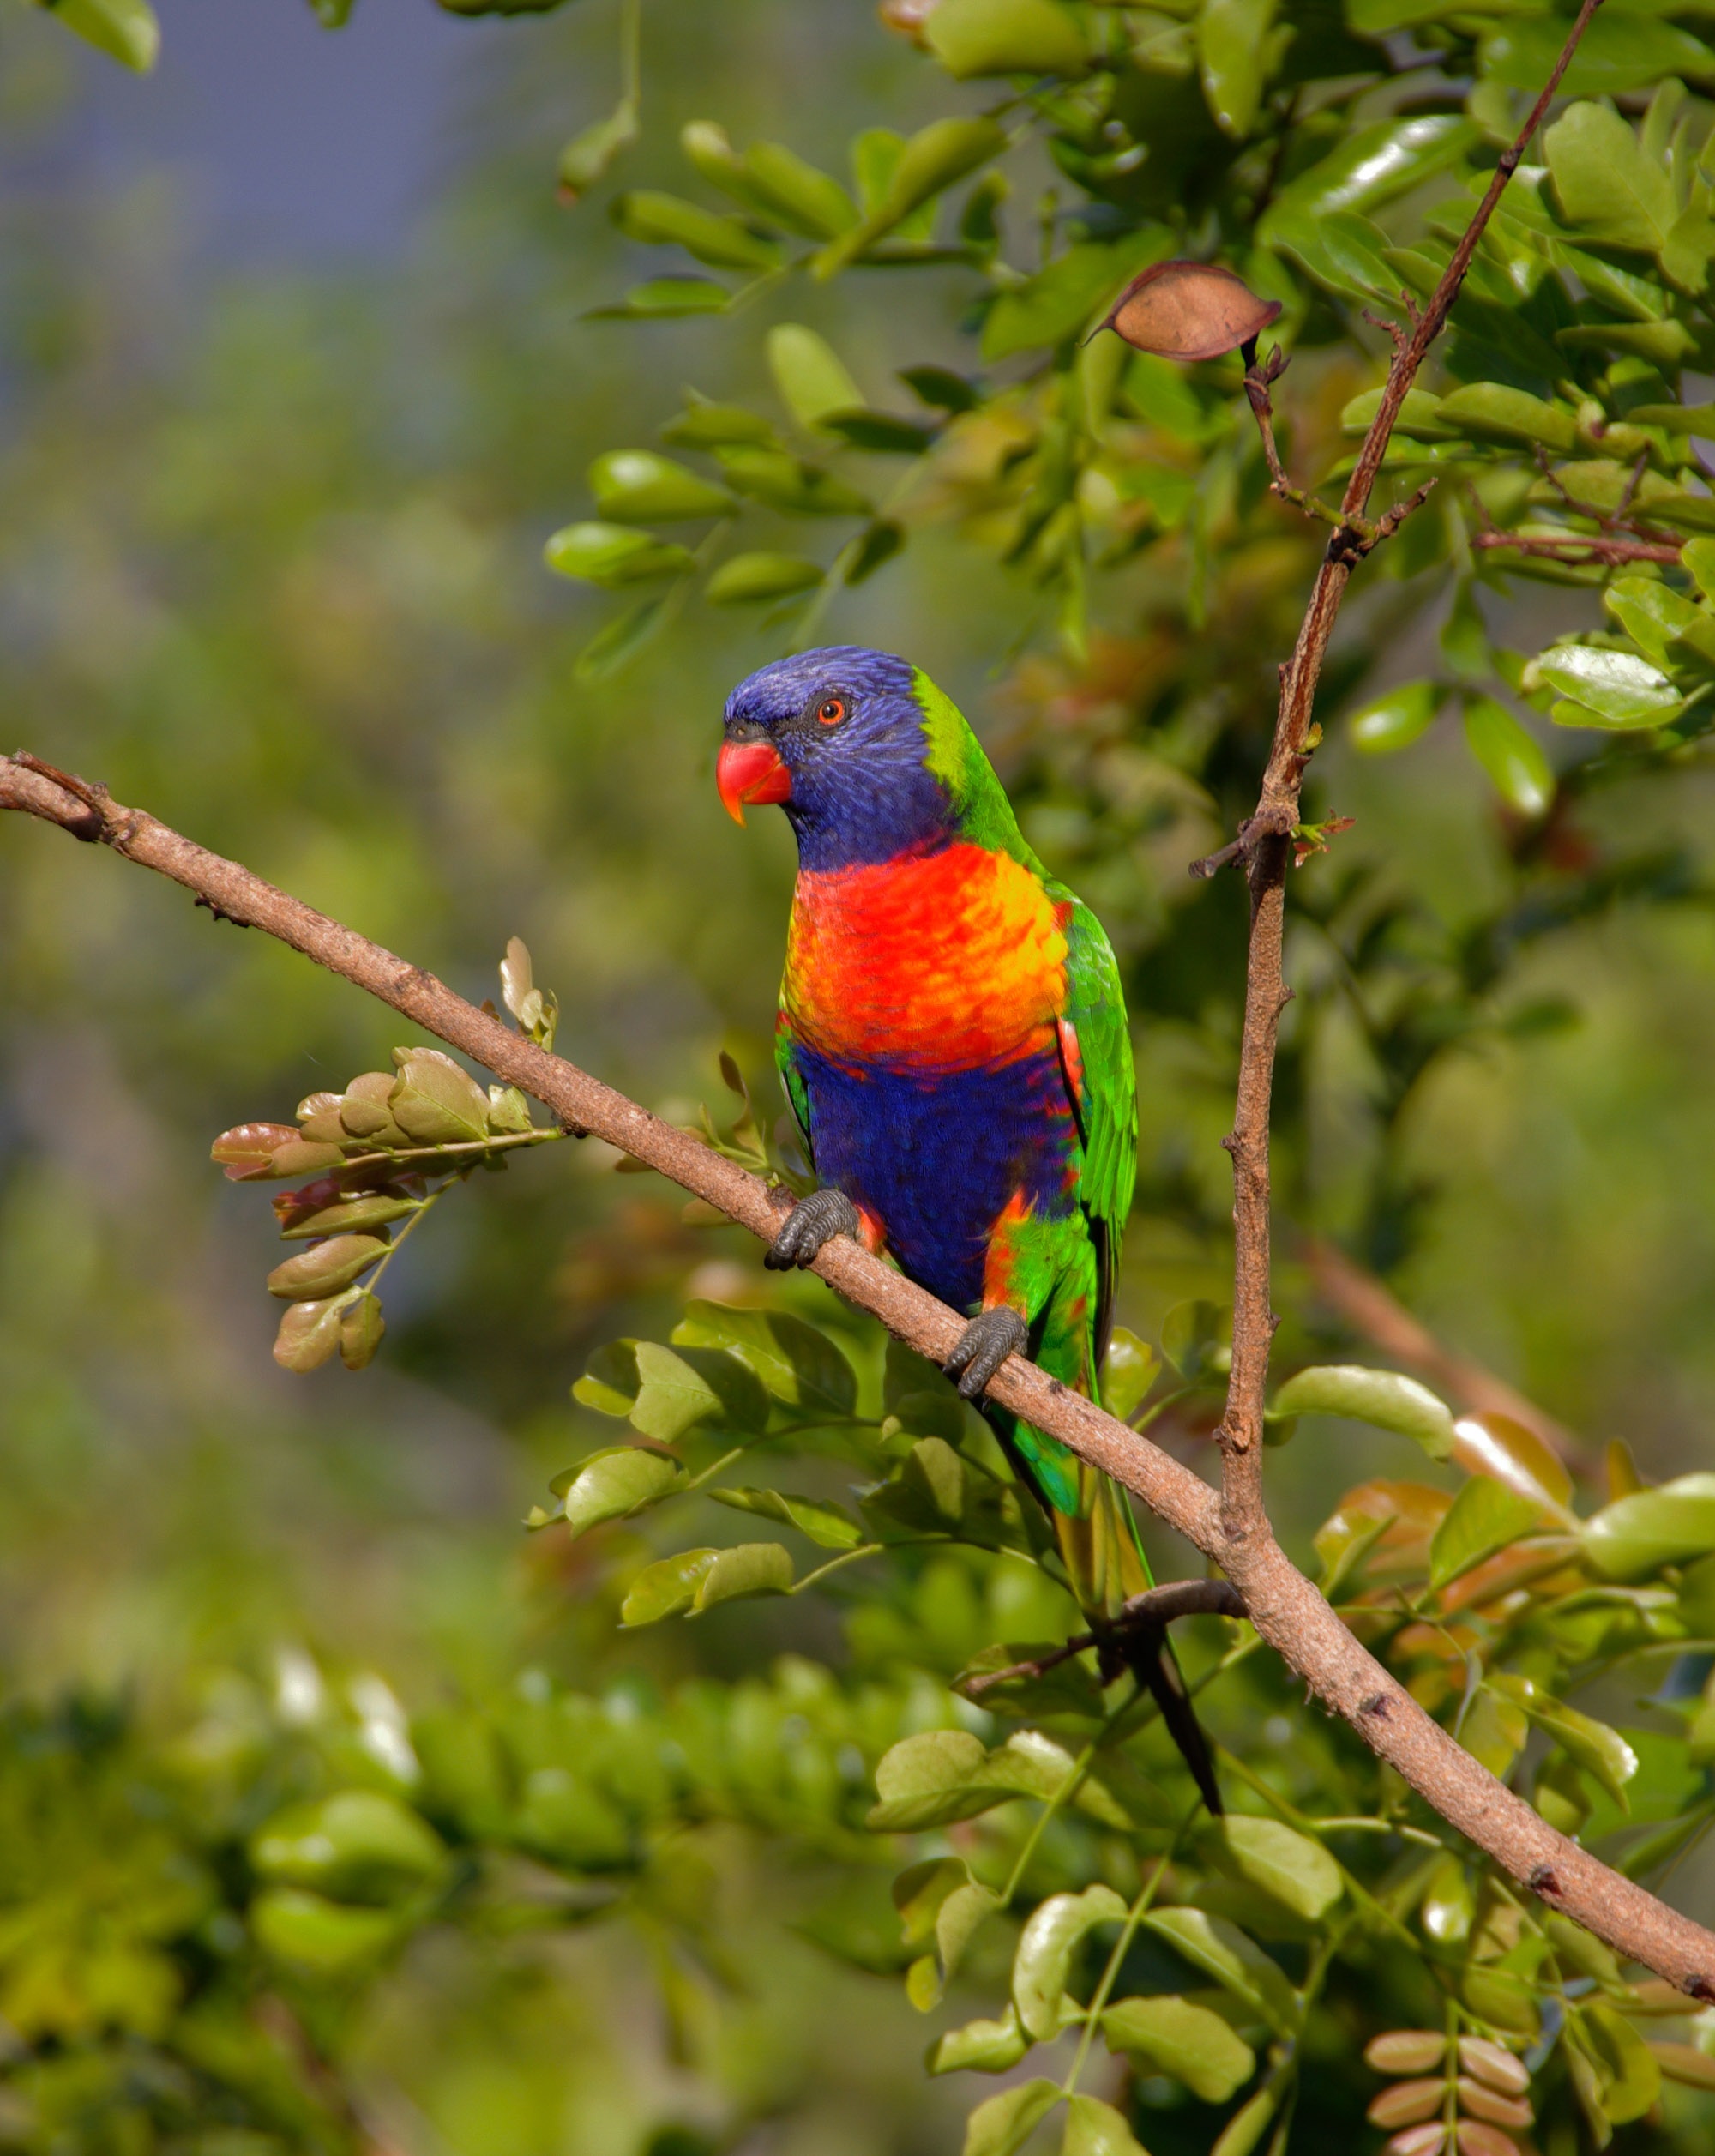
<point x="1285" y="1609"/>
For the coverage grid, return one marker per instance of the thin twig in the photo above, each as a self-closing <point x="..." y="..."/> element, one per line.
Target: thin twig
<point x="1150" y="1611"/>
<point x="1285" y="1608"/>
<point x="1594" y="548"/>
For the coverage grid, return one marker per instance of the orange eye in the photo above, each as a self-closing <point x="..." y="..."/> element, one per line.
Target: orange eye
<point x="832" y="712"/>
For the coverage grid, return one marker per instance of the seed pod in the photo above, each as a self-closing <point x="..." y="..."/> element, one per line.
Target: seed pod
<point x="1407" y="2102"/>
<point x="1189" y="311"/>
<point x="308" y="1333"/>
<point x="325" y="1268"/>
<point x="1405" y="2051"/>
<point x="1477" y="2140"/>
<point x="1418" y="2141"/>
<point x="1493" y="2063"/>
<point x="1490" y="2104"/>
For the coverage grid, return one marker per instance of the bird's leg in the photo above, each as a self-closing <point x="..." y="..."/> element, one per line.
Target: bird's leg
<point x="812" y="1221"/>
<point x="984" y="1346"/>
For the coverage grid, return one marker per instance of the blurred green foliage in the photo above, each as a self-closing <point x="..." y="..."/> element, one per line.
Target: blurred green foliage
<point x="338" y="1814"/>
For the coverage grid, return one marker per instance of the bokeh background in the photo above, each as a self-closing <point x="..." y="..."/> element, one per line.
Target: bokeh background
<point x="296" y="377"/>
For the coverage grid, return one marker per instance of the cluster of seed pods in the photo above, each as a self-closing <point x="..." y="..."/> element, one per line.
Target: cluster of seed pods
<point x="1456" y="2095"/>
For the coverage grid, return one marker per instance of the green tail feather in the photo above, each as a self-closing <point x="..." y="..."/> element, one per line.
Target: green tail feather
<point x="1101" y="1547"/>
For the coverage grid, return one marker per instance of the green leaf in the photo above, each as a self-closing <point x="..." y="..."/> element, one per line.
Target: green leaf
<point x="939" y="1903"/>
<point x="923" y="1781"/>
<point x="666" y="1587"/>
<point x="1096" y="2128"/>
<point x="359" y="1845"/>
<point x="610" y="1384"/>
<point x="1382" y="1398"/>
<point x="586" y="157"/>
<point x="1132" y="1367"/>
<point x="748" y="1568"/>
<point x="882" y="434"/>
<point x="1615" y="690"/>
<point x="1196" y="1338"/>
<point x="1491" y="412"/>
<point x="1073" y="291"/>
<point x="1419" y="415"/>
<point x="1371" y="166"/>
<point x="1043" y="1960"/>
<point x="434" y="1101"/>
<point x="1233" y="53"/>
<point x="1340" y="250"/>
<point x="971" y="38"/>
<point x="748" y="580"/>
<point x="1616" y="54"/>
<point x="610" y="554"/>
<point x="1266" y="1854"/>
<point x="1484" y="1517"/>
<point x="1605" y="184"/>
<point x="980" y="2047"/>
<point x="666" y="299"/>
<point x="326" y="1268"/>
<point x="696" y="1580"/>
<point x="785" y="482"/>
<point x="827" y="1526"/>
<point x="362" y="1329"/>
<point x="323" y="1937"/>
<point x="1396" y="719"/>
<point x="677" y="1392"/>
<point x="1251" y="2121"/>
<point x="934" y="158"/>
<point x="617" y="1483"/>
<point x="810" y="376"/>
<point x="309" y="1333"/>
<point x="800" y="195"/>
<point x="1170" y="2035"/>
<point x="798" y="1362"/>
<point x="124" y="29"/>
<point x="1002" y="2125"/>
<point x="1222" y="1951"/>
<point x="1630" y="2075"/>
<point x="1638" y="1534"/>
<point x="637" y="486"/>
<point x="873" y="546"/>
<point x="1515" y="764"/>
<point x="724" y="243"/>
<point x="1651" y="613"/>
<point x="1601" y="1751"/>
<point x="712" y="426"/>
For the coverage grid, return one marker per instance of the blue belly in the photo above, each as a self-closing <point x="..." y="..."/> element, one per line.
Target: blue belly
<point x="936" y="1159"/>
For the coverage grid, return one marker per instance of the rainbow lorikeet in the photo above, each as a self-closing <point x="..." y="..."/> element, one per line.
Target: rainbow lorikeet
<point x="953" y="1040"/>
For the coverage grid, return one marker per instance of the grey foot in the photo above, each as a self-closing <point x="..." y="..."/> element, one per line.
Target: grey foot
<point x="984" y="1344"/>
<point x="812" y="1221"/>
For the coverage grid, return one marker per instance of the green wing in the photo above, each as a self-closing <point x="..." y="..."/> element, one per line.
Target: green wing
<point x="1104" y="1093"/>
<point x="791" y="1079"/>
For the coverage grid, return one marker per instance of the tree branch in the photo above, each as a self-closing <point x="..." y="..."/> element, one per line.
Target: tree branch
<point x="1285" y="1609"/>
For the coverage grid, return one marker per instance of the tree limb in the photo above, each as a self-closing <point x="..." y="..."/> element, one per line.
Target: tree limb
<point x="1286" y="1610"/>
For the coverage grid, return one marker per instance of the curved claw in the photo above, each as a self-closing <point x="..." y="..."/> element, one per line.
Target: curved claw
<point x="984" y="1346"/>
<point x="812" y="1221"/>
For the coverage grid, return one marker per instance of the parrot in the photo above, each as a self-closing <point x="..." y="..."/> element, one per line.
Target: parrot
<point x="952" y="1040"/>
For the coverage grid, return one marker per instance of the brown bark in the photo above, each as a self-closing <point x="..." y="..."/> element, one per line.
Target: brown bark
<point x="1283" y="1606"/>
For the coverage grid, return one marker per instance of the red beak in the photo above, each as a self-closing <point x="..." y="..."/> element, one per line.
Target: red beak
<point x="747" y="771"/>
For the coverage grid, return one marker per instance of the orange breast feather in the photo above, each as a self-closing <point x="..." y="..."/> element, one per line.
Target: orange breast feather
<point x="945" y="962"/>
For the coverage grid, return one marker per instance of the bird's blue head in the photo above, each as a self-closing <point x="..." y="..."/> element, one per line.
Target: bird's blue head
<point x="837" y="737"/>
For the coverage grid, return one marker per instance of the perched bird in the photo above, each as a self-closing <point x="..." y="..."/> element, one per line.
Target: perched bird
<point x="952" y="1036"/>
